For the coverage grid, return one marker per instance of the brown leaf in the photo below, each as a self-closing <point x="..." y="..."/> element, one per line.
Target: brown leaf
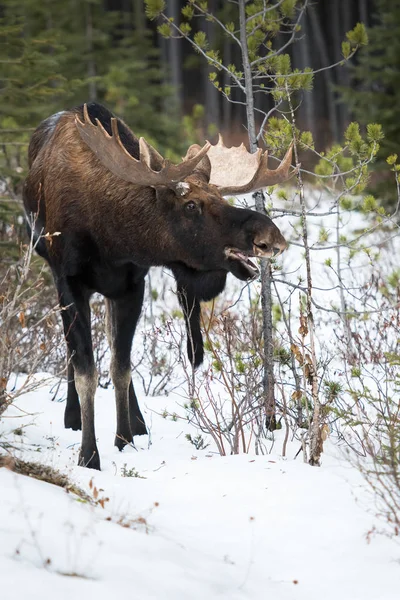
<point x="308" y="374"/>
<point x="303" y="329"/>
<point x="324" y="432"/>
<point x="298" y="355"/>
<point x="21" y="318"/>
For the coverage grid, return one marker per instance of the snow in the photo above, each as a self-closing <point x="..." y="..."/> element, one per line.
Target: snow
<point x="197" y="525"/>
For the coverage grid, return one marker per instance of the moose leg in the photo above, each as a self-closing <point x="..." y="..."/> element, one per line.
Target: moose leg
<point x="122" y="317"/>
<point x="72" y="415"/>
<point x="191" y="310"/>
<point x="193" y="286"/>
<point x="74" y="300"/>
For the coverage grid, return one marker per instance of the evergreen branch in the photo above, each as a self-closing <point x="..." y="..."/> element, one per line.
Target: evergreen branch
<point x="216" y="20"/>
<point x="264" y="11"/>
<point x="339" y="63"/>
<point x="266" y="117"/>
<point x="290" y="40"/>
<point x="209" y="59"/>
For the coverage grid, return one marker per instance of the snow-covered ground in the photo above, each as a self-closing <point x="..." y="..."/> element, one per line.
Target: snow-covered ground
<point x="183" y="523"/>
<point x="169" y="521"/>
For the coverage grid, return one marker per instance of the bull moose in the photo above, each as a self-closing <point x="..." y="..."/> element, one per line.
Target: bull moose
<point x="119" y="208"/>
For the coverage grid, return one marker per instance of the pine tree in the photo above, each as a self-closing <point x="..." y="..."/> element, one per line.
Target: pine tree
<point x="132" y="85"/>
<point x="374" y="95"/>
<point x="31" y="88"/>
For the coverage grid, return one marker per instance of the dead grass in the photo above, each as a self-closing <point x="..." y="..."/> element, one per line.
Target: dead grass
<point x="44" y="473"/>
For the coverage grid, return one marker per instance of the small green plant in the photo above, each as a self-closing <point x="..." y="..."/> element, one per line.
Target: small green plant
<point x="197" y="441"/>
<point x="130" y="472"/>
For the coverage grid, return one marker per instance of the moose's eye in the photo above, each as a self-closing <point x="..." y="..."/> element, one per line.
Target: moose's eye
<point x="190" y="207"/>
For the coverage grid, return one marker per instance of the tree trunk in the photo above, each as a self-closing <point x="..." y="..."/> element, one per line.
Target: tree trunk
<point x="91" y="65"/>
<point x="338" y="30"/>
<point x="266" y="295"/>
<point x="211" y="93"/>
<point x="301" y="60"/>
<point x="227" y="106"/>
<point x="326" y="74"/>
<point x="363" y="12"/>
<point x="175" y="59"/>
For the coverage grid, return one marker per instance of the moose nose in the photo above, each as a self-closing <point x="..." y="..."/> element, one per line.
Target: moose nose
<point x="270" y="247"/>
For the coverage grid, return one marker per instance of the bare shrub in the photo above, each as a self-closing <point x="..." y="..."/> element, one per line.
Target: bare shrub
<point x="368" y="410"/>
<point x="29" y="331"/>
<point x="225" y="398"/>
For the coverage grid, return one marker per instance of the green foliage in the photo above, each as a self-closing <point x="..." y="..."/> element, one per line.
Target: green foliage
<point x="165" y="30"/>
<point x="185" y="28"/>
<point x="323" y="236"/>
<point x="283" y="356"/>
<point x="369" y="203"/>
<point x="358" y="36"/>
<point x="346" y="49"/>
<point x="270" y="70"/>
<point x="214" y="57"/>
<point x="63" y="54"/>
<point x="353" y="159"/>
<point x="306" y="139"/>
<point x="194" y="129"/>
<point x="130" y="472"/>
<point x="287" y="8"/>
<point x="188" y="12"/>
<point x="197" y="441"/>
<point x="346" y="203"/>
<point x="200" y="39"/>
<point x="374" y="93"/>
<point x="279" y="136"/>
<point x="394" y="279"/>
<point x="132" y="85"/>
<point x="276" y="314"/>
<point x="332" y="389"/>
<point x="374" y="132"/>
<point x="154" y="8"/>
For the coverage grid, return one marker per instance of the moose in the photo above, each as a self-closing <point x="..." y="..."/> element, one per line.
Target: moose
<point x="103" y="207"/>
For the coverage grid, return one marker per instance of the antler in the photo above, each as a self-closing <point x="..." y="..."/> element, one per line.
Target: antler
<point x="236" y="171"/>
<point x="112" y="153"/>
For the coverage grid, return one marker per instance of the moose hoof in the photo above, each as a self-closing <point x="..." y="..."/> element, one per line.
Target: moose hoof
<point x="122" y="440"/>
<point x="73" y="420"/>
<point x="90" y="460"/>
<point x="139" y="427"/>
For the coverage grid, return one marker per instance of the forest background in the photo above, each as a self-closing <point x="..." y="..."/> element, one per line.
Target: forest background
<point x="56" y="54"/>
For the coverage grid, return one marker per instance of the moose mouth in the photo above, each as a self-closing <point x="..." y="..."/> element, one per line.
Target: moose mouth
<point x="244" y="260"/>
